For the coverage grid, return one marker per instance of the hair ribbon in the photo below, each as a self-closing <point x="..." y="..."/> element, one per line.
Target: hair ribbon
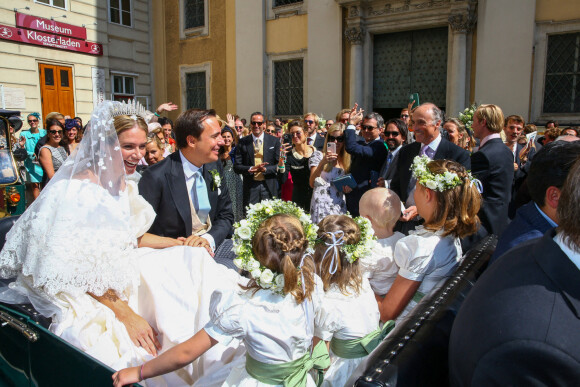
<point x="337" y="238"/>
<point x="477" y="183"/>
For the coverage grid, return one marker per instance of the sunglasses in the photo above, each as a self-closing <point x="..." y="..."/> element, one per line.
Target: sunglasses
<point x="296" y="134"/>
<point x="333" y="139"/>
<point x="269" y="131"/>
<point x="391" y="134"/>
<point x="257" y="123"/>
<point x="54" y="132"/>
<point x="344" y="120"/>
<point x="238" y="127"/>
<point x="368" y="127"/>
<point x="404" y="116"/>
<point x="29" y="121"/>
<point x="309" y="122"/>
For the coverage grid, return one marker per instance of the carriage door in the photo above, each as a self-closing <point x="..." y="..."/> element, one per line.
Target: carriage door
<point x="56" y="89"/>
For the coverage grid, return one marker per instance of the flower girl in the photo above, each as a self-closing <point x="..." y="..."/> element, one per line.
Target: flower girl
<point x="448" y="198"/>
<point x="274" y="314"/>
<point x="349" y="316"/>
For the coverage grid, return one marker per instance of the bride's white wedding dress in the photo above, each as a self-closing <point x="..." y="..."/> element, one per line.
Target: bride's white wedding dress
<point x="170" y="288"/>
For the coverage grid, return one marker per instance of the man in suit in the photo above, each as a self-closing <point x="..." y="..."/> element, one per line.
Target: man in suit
<point x="257" y="157"/>
<point x="367" y="155"/>
<point x="395" y="136"/>
<point x="513" y="127"/>
<point x="493" y="165"/>
<point x="519" y="324"/>
<point x="545" y="180"/>
<point x="311" y="121"/>
<point x="186" y="190"/>
<point x="425" y="120"/>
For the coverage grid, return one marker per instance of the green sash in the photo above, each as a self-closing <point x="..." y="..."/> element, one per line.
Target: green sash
<point x="357" y="348"/>
<point x="291" y="374"/>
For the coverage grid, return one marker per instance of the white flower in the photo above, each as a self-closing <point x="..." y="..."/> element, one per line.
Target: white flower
<point x="256" y="273"/>
<point x="239" y="263"/>
<point x="266" y="277"/>
<point x="258" y="207"/>
<point x="244" y="233"/>
<point x="268" y="210"/>
<point x="253" y="264"/>
<point x="431" y="184"/>
<point x="280" y="281"/>
<point x="304" y="218"/>
<point x="244" y="223"/>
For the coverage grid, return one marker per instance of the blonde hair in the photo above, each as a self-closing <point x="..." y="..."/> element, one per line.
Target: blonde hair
<point x="348" y="275"/>
<point x="343" y="156"/>
<point x="157" y="142"/>
<point x="279" y="244"/>
<point x="456" y="208"/>
<point x="124" y="123"/>
<point x="493" y="116"/>
<point x="315" y="117"/>
<point x="384" y="206"/>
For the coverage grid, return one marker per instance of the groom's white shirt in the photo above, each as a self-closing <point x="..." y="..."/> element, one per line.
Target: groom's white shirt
<point x="189" y="170"/>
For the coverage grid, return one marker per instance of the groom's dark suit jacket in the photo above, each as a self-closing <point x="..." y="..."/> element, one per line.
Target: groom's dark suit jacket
<point x="163" y="186"/>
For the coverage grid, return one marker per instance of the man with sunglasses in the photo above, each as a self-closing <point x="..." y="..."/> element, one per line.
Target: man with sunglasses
<point x="395" y="136"/>
<point x="367" y="156"/>
<point x="257" y="156"/>
<point x="311" y="125"/>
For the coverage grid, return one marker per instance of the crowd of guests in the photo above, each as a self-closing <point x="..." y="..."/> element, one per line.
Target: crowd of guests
<point x="428" y="187"/>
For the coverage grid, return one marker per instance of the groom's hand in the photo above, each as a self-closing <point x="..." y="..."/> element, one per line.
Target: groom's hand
<point x="197" y="241"/>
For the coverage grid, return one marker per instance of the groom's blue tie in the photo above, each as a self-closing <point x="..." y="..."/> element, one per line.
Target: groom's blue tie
<point x="200" y="199"/>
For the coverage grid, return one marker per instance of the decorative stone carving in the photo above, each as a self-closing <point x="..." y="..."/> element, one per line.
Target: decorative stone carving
<point x="462" y="23"/>
<point x="353" y="11"/>
<point x="354" y="35"/>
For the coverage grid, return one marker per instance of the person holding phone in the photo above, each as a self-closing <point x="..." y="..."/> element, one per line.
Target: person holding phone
<point x="326" y="166"/>
<point x="294" y="159"/>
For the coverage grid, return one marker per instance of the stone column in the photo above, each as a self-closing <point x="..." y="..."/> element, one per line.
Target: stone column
<point x="355" y="36"/>
<point x="460" y="25"/>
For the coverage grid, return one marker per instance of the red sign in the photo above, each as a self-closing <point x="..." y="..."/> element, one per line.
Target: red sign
<point x="50" y="26"/>
<point x="49" y="40"/>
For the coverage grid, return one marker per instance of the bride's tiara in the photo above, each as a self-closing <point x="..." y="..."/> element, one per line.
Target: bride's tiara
<point x="132" y="109"/>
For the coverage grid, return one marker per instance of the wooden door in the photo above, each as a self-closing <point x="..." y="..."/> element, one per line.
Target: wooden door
<point x="56" y="89"/>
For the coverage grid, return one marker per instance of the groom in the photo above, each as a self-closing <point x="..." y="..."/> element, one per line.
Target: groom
<point x="187" y="189"/>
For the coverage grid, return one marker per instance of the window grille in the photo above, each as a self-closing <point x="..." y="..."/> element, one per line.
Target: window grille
<point x="195" y="90"/>
<point x="562" y="82"/>
<point x="194" y="13"/>
<point x="278" y="3"/>
<point x="288" y="87"/>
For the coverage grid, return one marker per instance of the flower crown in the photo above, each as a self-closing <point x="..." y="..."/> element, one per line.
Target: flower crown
<point x="437" y="182"/>
<point x="352" y="251"/>
<point x="245" y="230"/>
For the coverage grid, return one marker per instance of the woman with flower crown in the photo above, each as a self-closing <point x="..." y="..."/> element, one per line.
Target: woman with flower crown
<point x="343" y="242"/>
<point x="448" y="198"/>
<point x="274" y="314"/>
<point x="118" y="293"/>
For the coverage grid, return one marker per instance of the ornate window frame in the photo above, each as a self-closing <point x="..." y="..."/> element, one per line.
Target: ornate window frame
<point x="301" y="54"/>
<point x="186" y="69"/>
<point x="298" y="8"/>
<point x="185" y="33"/>
<point x="543" y="30"/>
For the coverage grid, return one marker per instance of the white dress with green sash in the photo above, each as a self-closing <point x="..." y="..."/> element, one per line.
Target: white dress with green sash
<point x="272" y="327"/>
<point x="346" y="317"/>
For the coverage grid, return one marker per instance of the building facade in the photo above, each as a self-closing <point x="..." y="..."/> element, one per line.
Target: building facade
<point x="288" y="57"/>
<point x="69" y="55"/>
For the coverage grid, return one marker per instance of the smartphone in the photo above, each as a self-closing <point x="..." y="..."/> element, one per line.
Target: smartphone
<point x="287" y="138"/>
<point x="331" y="147"/>
<point x="414" y="97"/>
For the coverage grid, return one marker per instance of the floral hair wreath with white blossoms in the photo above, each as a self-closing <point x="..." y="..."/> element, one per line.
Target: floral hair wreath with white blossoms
<point x="245" y="229"/>
<point x="364" y="246"/>
<point x="438" y="182"/>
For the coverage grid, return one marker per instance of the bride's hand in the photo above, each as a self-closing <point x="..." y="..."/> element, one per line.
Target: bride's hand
<point x="141" y="333"/>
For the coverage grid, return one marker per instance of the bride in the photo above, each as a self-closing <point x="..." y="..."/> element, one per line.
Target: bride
<point x="111" y="289"/>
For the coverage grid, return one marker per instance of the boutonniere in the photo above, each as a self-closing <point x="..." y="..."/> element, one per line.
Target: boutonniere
<point x="216" y="178"/>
